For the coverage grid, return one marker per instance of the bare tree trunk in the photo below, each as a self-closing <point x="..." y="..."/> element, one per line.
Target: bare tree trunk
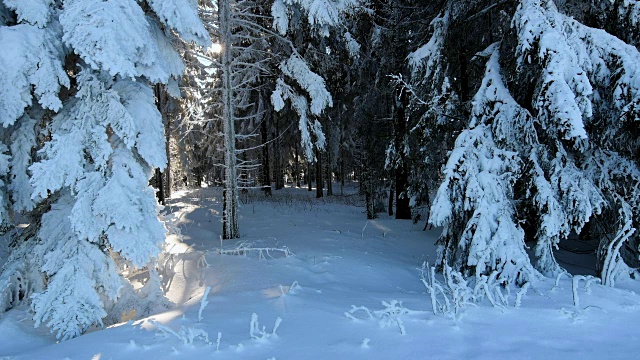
<point x="277" y="158"/>
<point x="162" y="108"/>
<point x="329" y="175"/>
<point x="160" y="185"/>
<point x="309" y="176"/>
<point x="230" y="193"/>
<point x="266" y="170"/>
<point x="391" y="199"/>
<point x="319" y="189"/>
<point x="328" y="161"/>
<point x="168" y="151"/>
<point x="297" y="164"/>
<point x="403" y="210"/>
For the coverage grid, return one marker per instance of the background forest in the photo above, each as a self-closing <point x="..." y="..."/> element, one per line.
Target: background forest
<point x="509" y="126"/>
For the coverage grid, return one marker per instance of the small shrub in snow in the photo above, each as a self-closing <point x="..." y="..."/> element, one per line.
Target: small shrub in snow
<point x="450" y="298"/>
<point x="187" y="335"/>
<point x="575" y="283"/>
<point x="456" y="293"/>
<point x="245" y="248"/>
<point x="391" y="315"/>
<point x="292" y="289"/>
<point x="261" y="334"/>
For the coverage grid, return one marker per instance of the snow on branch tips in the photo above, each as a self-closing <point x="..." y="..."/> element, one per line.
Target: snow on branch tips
<point x="182" y="16"/>
<point x="32" y="60"/>
<point x="428" y="56"/>
<point x="296" y="68"/>
<point x="308" y="129"/>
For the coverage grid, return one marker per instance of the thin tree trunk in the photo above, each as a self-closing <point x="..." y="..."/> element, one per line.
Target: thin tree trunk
<point x="329" y="175"/>
<point x="230" y="193"/>
<point x="329" y="135"/>
<point x="161" y="106"/>
<point x="168" y="151"/>
<point x="160" y="185"/>
<point x="403" y="210"/>
<point x="277" y="159"/>
<point x="391" y="200"/>
<point x="266" y="171"/>
<point x="319" y="186"/>
<point x="309" y="176"/>
<point x="297" y="164"/>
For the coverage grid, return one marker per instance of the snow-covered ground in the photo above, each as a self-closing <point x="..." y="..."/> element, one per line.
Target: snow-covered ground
<point x="339" y="259"/>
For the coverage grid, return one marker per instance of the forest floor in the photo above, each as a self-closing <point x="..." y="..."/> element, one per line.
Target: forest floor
<point x="338" y="259"/>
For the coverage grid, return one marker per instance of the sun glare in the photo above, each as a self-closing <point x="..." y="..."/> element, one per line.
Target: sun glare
<point x="216" y="48"/>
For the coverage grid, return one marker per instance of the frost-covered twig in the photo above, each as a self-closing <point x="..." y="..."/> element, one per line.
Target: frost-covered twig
<point x="391" y="314"/>
<point x="456" y="292"/>
<point x="587" y="286"/>
<point x="203" y="302"/>
<point x="187" y="335"/>
<point x="263" y="252"/>
<point x="261" y="334"/>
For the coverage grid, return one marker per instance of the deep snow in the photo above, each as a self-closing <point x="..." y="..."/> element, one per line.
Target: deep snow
<point x="339" y="259"/>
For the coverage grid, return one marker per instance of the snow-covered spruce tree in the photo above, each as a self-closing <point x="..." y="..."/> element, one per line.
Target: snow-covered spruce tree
<point x="539" y="162"/>
<point x="104" y="135"/>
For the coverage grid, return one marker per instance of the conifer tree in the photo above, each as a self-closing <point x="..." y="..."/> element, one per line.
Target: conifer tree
<point x="82" y="76"/>
<point x="535" y="162"/>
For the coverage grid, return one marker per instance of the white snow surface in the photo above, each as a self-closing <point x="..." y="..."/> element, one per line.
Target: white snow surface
<point x="339" y="259"/>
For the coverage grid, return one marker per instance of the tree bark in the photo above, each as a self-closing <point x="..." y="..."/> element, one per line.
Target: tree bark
<point x="403" y="210"/>
<point x="309" y="176"/>
<point x="319" y="184"/>
<point x="160" y="185"/>
<point x="168" y="151"/>
<point x="297" y="164"/>
<point x="162" y="108"/>
<point x="230" y="193"/>
<point x="391" y="200"/>
<point x="266" y="171"/>
<point x="328" y="161"/>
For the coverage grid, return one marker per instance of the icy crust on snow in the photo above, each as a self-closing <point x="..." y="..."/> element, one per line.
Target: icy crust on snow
<point x="31" y="60"/>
